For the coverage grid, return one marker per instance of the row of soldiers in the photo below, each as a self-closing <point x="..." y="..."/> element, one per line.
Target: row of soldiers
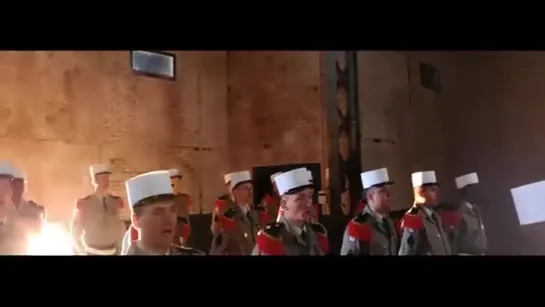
<point x="285" y="223"/>
<point x="428" y="228"/>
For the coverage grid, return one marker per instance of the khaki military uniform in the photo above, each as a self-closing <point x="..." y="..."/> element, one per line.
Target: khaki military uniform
<point x="370" y="234"/>
<point x="14" y="234"/>
<point x="32" y="214"/>
<point x="234" y="230"/>
<point x="470" y="236"/>
<point x="283" y="239"/>
<point x="183" y="226"/>
<point x="97" y="228"/>
<point x="423" y="234"/>
<point x="135" y="249"/>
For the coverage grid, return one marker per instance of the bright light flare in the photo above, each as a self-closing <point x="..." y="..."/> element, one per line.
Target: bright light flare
<point x="52" y="240"/>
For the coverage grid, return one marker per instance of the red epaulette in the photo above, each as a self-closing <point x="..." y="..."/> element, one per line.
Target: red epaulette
<point x="321" y="236"/>
<point x="220" y="204"/>
<point x="185" y="230"/>
<point x="267" y="199"/>
<point x="412" y="221"/>
<point x="269" y="244"/>
<point x="264" y="216"/>
<point x="134" y="233"/>
<point x="451" y="218"/>
<point x="227" y="219"/>
<point x="359" y="231"/>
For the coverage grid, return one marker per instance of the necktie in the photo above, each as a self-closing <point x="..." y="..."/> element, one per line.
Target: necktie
<point x="304" y="235"/>
<point x="104" y="203"/>
<point x="386" y="227"/>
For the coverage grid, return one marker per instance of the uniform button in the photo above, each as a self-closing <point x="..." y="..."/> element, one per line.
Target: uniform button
<point x="439" y="236"/>
<point x="245" y="235"/>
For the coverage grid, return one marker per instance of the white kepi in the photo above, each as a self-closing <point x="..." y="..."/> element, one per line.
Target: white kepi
<point x="274" y="176"/>
<point x="174" y="173"/>
<point x="236" y="178"/>
<point x="148" y="185"/>
<point x="96" y="169"/>
<point x="423" y="178"/>
<point x="6" y="168"/>
<point x="465" y="180"/>
<point x="375" y="177"/>
<point x="293" y="179"/>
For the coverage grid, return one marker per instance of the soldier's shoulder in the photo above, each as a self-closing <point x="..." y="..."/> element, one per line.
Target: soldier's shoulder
<point x="318" y="228"/>
<point x="273" y="230"/>
<point x="269" y="240"/>
<point x="451" y="218"/>
<point x="186" y="251"/>
<point x="33" y="204"/>
<point x="358" y="228"/>
<point x="114" y="196"/>
<point x="362" y="217"/>
<point x="412" y="219"/>
<point x="221" y="202"/>
<point x="260" y="207"/>
<point x="80" y="202"/>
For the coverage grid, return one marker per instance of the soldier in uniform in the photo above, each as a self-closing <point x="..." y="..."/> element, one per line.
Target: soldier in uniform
<point x="272" y="201"/>
<point x="462" y="221"/>
<point x="154" y="215"/>
<point x="32" y="213"/>
<point x="293" y="234"/>
<point x="372" y="232"/>
<point x="218" y="202"/>
<point x="97" y="228"/>
<point x="13" y="233"/>
<point x="235" y="219"/>
<point x="183" y="202"/>
<point x="315" y="217"/>
<point x="421" y="227"/>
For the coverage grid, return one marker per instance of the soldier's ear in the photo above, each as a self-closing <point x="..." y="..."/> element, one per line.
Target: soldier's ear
<point x="283" y="203"/>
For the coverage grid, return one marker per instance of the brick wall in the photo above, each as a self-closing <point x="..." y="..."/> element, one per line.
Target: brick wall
<point x="62" y="111"/>
<point x="410" y="121"/>
<point x="275" y="108"/>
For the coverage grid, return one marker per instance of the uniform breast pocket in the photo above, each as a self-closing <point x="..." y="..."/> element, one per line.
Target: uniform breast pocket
<point x="113" y="208"/>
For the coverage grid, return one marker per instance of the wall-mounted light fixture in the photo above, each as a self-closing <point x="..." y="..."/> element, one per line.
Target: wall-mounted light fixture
<point x="155" y="64"/>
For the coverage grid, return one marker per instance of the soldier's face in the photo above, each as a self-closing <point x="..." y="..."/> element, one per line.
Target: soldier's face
<point x="430" y="194"/>
<point x="297" y="206"/>
<point x="18" y="186"/>
<point x="243" y="193"/>
<point x="157" y="222"/>
<point x="380" y="198"/>
<point x="102" y="181"/>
